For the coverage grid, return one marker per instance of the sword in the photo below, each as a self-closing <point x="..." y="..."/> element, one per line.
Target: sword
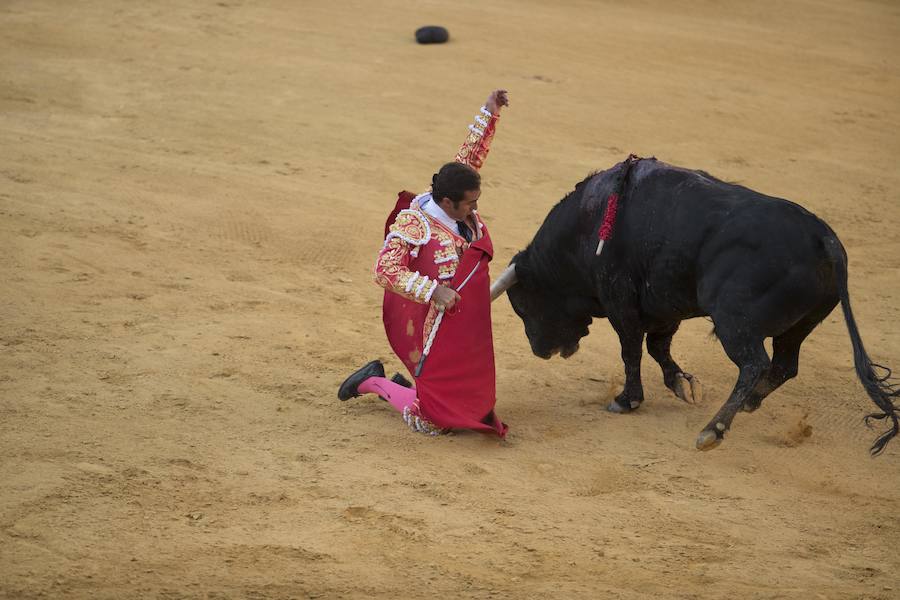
<point x="437" y="324"/>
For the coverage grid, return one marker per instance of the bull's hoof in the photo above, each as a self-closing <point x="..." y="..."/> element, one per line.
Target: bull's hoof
<point x="688" y="388"/>
<point x="615" y="407"/>
<point x="751" y="405"/>
<point x="707" y="440"/>
<point x="696" y="388"/>
<point x="622" y="406"/>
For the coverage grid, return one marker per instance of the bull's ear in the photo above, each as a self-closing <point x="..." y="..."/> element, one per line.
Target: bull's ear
<point x="524" y="274"/>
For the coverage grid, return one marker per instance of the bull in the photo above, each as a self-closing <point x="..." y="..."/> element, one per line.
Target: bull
<point x="685" y="244"/>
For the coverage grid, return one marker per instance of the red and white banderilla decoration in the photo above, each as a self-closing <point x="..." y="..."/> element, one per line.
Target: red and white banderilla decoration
<point x="612" y="203"/>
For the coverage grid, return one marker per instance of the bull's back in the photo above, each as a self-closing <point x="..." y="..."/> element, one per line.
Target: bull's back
<point x="701" y="243"/>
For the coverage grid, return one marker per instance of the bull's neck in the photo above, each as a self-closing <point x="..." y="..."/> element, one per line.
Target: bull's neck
<point x="557" y="251"/>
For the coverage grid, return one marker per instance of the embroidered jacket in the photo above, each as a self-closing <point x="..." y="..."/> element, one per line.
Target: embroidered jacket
<point x="415" y="236"/>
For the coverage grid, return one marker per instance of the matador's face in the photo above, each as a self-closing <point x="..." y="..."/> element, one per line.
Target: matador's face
<point x="464" y="208"/>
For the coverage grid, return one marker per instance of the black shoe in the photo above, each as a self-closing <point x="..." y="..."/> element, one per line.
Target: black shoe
<point x="349" y="389"/>
<point x="401" y="380"/>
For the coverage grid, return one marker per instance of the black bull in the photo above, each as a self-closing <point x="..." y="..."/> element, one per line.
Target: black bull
<point x="685" y="244"/>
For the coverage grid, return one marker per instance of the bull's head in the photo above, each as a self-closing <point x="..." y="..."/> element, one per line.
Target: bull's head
<point x="555" y="320"/>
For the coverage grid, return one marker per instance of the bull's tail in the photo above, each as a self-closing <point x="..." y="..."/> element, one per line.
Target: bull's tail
<point x="880" y="388"/>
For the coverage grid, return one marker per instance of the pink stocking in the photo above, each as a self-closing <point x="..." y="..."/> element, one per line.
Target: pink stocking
<point x="399" y="396"/>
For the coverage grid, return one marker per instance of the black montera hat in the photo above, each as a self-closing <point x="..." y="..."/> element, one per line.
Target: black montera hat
<point x="432" y="34"/>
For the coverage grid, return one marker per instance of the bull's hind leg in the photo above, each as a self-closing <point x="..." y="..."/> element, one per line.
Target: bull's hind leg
<point x="785" y="362"/>
<point x="659" y="345"/>
<point x="786" y="355"/>
<point x="750" y="356"/>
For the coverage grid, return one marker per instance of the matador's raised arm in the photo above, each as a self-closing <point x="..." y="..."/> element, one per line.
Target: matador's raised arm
<point x="475" y="149"/>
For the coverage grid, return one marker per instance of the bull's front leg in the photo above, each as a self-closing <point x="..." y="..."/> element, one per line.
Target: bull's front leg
<point x="659" y="345"/>
<point x="631" y="337"/>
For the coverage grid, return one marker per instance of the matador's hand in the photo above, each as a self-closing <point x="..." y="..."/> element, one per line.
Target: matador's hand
<point x="496" y="100"/>
<point x="444" y="298"/>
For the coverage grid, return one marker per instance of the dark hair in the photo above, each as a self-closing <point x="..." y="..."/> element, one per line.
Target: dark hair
<point x="453" y="181"/>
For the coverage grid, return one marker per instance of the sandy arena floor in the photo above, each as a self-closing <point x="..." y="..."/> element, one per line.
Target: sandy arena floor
<point x="191" y="199"/>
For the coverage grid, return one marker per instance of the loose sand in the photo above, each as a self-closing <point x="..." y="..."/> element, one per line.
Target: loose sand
<point x="191" y="199"/>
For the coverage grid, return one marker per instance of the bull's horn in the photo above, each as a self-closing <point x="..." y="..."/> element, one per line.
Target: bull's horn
<point x="506" y="280"/>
